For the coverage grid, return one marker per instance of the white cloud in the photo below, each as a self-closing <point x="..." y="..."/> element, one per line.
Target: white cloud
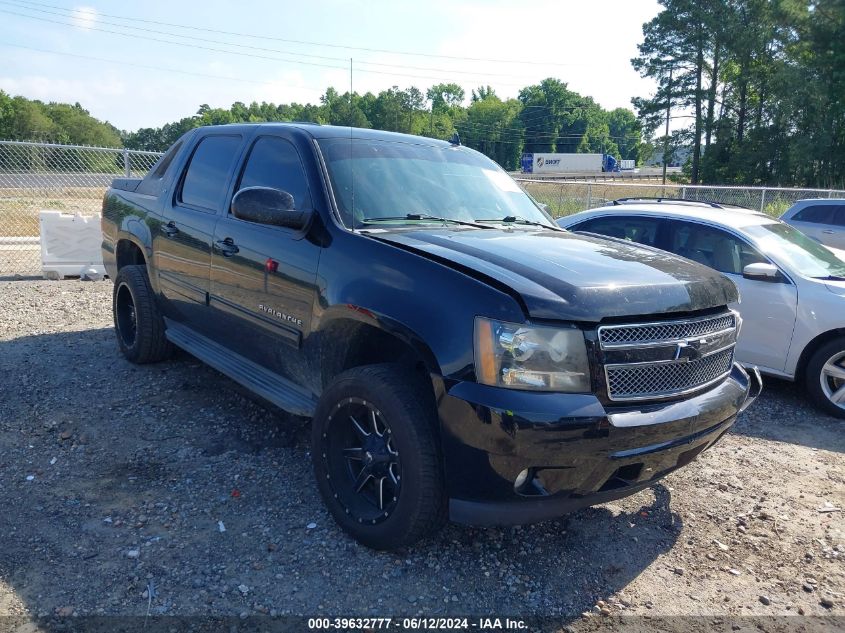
<point x="592" y="57"/>
<point x="291" y="87"/>
<point x="84" y="17"/>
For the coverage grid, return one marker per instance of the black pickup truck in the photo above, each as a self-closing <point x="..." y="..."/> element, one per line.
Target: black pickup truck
<point x="459" y="354"/>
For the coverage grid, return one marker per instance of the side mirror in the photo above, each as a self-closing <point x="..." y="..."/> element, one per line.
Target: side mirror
<point x="762" y="271"/>
<point x="545" y="208"/>
<point x="265" y="205"/>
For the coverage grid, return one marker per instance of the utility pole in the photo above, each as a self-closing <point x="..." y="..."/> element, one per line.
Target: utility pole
<point x="666" y="138"/>
<point x="350" y="92"/>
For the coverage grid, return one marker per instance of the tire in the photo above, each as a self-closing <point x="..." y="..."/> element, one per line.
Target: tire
<point x="402" y="500"/>
<point x="137" y="320"/>
<point x="825" y="377"/>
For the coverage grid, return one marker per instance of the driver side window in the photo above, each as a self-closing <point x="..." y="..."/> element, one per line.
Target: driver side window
<point x="274" y="162"/>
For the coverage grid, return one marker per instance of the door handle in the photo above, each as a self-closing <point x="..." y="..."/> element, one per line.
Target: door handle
<point x="828" y="232"/>
<point x="227" y="247"/>
<point x="169" y="229"/>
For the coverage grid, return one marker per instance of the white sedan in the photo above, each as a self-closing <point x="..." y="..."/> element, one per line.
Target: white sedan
<point x="792" y="289"/>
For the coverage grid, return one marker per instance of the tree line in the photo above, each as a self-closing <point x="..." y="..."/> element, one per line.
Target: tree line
<point x="24" y="119"/>
<point x="547" y="117"/>
<point x="761" y="82"/>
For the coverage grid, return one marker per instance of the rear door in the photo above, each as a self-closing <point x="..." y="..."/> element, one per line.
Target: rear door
<point x="182" y="241"/>
<point x="817" y="221"/>
<point x="768" y="308"/>
<point x="836" y="237"/>
<point x="263" y="277"/>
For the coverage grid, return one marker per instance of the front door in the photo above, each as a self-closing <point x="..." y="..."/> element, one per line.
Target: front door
<point x="768" y="308"/>
<point x="263" y="278"/>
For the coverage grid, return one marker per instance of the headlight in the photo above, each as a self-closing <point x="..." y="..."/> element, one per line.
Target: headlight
<point x="530" y="357"/>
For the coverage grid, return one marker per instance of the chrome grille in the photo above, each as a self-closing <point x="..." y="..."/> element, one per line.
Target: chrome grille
<point x="664" y="359"/>
<point x="617" y="336"/>
<point x="668" y="378"/>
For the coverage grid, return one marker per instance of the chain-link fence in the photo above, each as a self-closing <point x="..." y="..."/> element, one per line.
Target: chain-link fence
<point x="69" y="178"/>
<point x="565" y="198"/>
<point x="38" y="176"/>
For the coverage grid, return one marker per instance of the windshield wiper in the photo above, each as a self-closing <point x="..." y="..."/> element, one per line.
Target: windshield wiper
<point x="831" y="278"/>
<point x="424" y="216"/>
<point x="514" y="219"/>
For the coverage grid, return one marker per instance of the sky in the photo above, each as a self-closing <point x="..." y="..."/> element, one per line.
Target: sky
<point x="148" y="63"/>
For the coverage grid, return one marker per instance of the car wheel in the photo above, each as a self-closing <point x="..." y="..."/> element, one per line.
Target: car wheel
<point x="137" y="319"/>
<point x="376" y="456"/>
<point x="826" y="377"/>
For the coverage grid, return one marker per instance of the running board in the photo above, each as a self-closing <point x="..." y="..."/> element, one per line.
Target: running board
<point x="270" y="386"/>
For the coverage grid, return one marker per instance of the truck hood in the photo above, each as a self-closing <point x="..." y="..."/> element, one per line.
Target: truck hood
<point x="563" y="275"/>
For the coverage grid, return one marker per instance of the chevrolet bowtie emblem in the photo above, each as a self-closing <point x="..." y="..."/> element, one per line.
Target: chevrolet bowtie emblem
<point x="689" y="350"/>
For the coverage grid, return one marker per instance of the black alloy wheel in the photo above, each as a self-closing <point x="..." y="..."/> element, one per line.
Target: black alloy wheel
<point x="125" y="316"/>
<point x="138" y="321"/>
<point x="363" y="464"/>
<point x="376" y="455"/>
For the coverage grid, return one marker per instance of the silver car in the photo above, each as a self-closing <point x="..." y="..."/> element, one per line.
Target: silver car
<point x="792" y="288"/>
<point x="822" y="219"/>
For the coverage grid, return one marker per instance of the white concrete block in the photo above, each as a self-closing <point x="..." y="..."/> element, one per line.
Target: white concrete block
<point x="70" y="245"/>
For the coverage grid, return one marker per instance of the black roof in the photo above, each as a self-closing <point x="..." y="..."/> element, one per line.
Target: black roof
<point x="335" y="131"/>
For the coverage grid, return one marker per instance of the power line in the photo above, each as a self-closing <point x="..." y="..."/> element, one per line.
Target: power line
<point x="468" y="126"/>
<point x="245" y="46"/>
<point x="543" y="138"/>
<point x="312" y="43"/>
<point x="471" y="127"/>
<point x="532" y="119"/>
<point x="513" y="129"/>
<point x="242" y="54"/>
<point x="145" y="66"/>
<point x="153" y="39"/>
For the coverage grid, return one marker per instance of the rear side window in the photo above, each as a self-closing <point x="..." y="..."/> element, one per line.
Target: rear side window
<point x="152" y="181"/>
<point x="274" y="162"/>
<point x="639" y="230"/>
<point x="208" y="173"/>
<point x="816" y="214"/>
<point x="160" y="168"/>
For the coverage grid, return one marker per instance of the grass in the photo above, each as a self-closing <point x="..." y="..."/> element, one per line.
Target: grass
<point x="19" y="208"/>
<point x="568" y="198"/>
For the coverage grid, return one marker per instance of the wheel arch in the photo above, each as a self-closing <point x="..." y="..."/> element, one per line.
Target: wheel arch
<point x="129" y="253"/>
<point x="810" y="349"/>
<point x="355" y="337"/>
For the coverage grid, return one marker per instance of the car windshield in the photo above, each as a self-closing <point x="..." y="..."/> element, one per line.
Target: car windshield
<point x="390" y="183"/>
<point x="801" y="253"/>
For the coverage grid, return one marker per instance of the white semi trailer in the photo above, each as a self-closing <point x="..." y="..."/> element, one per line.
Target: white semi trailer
<point x="544" y="163"/>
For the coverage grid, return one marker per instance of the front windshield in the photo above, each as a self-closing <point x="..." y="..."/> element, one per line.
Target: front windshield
<point x="799" y="252"/>
<point x="402" y="183"/>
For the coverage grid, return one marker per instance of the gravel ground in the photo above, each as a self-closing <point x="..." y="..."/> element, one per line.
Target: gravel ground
<point x="119" y="479"/>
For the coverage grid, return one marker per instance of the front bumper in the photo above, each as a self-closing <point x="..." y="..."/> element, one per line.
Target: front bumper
<point x="514" y="457"/>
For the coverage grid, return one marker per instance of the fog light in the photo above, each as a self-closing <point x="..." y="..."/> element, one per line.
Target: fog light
<point x="520" y="480"/>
